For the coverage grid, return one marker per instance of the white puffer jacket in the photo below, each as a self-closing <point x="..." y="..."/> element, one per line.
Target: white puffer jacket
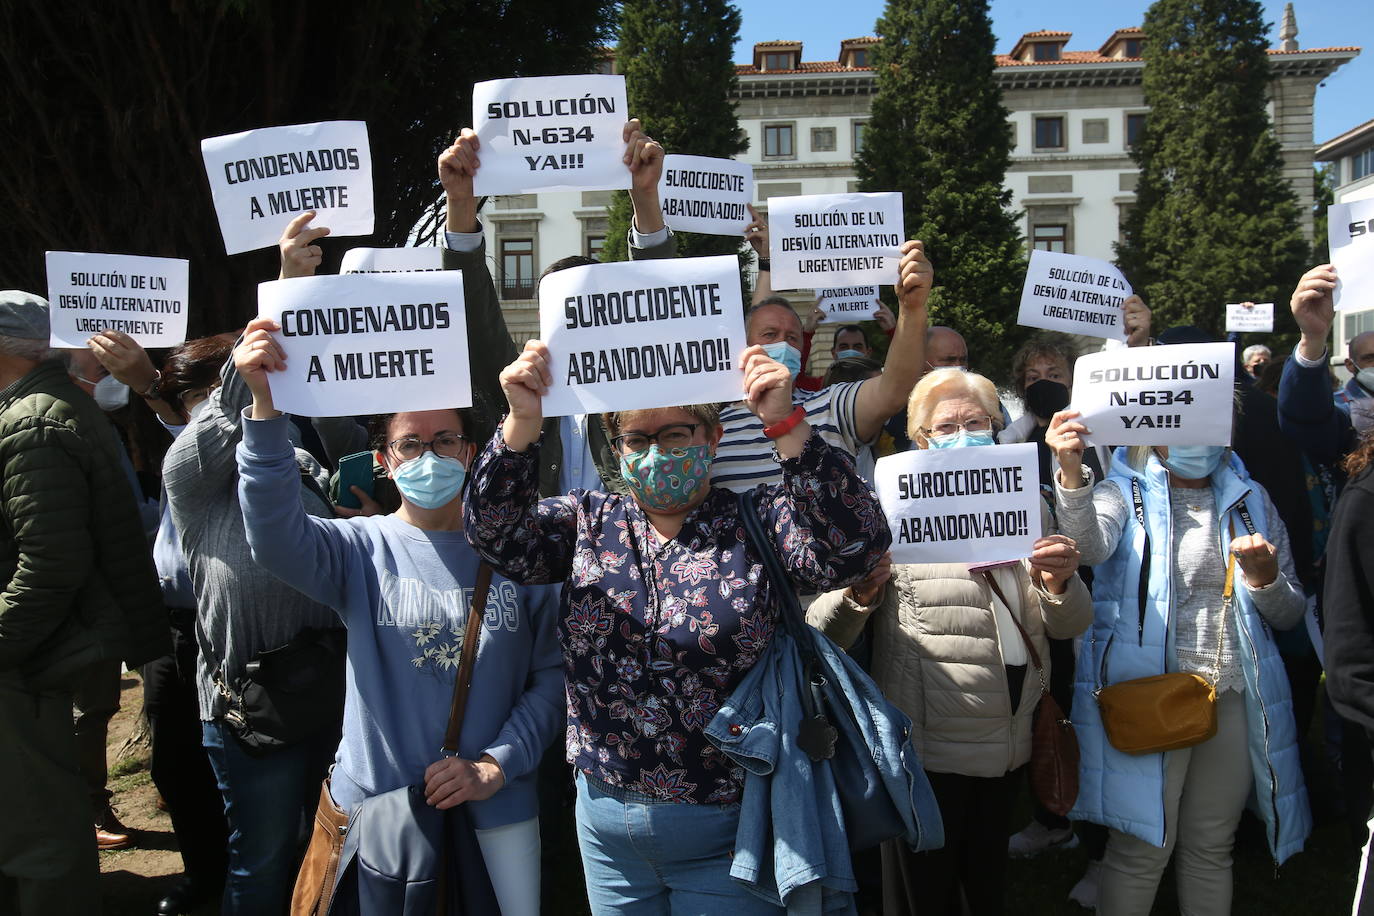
<point x="937" y="656"/>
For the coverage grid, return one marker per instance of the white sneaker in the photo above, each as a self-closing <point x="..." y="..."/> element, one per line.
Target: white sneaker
<point x="1084" y="893"/>
<point x="1036" y="838"/>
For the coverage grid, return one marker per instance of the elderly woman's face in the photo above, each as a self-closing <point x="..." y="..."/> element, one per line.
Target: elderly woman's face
<point x="957" y="412"/>
<point x="674" y="477"/>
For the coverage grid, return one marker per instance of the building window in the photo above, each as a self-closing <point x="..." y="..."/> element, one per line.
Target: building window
<point x="777" y="62"/>
<point x="859" y="128"/>
<point x="1045" y="50"/>
<point x="1049" y="133"/>
<point x="1095" y="130"/>
<point x="777" y="141"/>
<point x="1132" y="46"/>
<point x="858" y="57"/>
<point x="517" y="269"/>
<point x="822" y="139"/>
<point x="1135" y="129"/>
<point x="1362" y="164"/>
<point x="594" y="245"/>
<point x="1053" y="237"/>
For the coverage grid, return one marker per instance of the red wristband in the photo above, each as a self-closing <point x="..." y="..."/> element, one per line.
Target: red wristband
<point x="786" y="425"/>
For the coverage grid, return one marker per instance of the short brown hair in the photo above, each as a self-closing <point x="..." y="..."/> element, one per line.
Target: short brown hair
<point x="1051" y="344"/>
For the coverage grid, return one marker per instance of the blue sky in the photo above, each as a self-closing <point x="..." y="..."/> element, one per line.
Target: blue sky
<point x="1343" y="101"/>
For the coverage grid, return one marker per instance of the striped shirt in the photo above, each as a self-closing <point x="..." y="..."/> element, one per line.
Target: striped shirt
<point x="744" y="458"/>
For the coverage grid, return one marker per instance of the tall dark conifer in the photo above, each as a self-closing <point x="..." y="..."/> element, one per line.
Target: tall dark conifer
<point x="678" y="61"/>
<point x="939" y="133"/>
<point x="1215" y="221"/>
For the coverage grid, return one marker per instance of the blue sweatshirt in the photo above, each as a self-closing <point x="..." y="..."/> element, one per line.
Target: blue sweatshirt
<point x="404" y="595"/>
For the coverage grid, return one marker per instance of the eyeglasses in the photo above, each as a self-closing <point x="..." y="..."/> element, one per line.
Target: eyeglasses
<point x="676" y="435"/>
<point x="972" y="424"/>
<point x="445" y="445"/>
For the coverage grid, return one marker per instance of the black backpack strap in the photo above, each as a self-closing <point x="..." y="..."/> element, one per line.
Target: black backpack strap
<point x="1143" y="588"/>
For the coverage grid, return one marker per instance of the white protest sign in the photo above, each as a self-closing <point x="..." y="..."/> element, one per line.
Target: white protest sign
<point x="835" y="239"/>
<point x="1174" y="395"/>
<point x="550" y="133"/>
<point x="1074" y="294"/>
<point x="391" y="260"/>
<point x="1259" y="317"/>
<point x="848" y="304"/>
<point x="640" y="334"/>
<point x="1350" y="227"/>
<point x="961" y="505"/>
<point x="143" y="297"/>
<point x="369" y="343"/>
<point x="701" y="194"/>
<point x="262" y="179"/>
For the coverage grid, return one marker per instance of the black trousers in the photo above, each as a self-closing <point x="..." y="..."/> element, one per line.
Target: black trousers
<point x="180" y="768"/>
<point x="976" y="811"/>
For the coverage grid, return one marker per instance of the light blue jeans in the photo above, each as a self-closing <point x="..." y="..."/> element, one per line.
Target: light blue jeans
<point x="644" y="857"/>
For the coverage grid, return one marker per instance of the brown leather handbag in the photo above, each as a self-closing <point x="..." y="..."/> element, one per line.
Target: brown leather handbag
<point x="1054" y="744"/>
<point x="1166" y="712"/>
<point x="314" y="890"/>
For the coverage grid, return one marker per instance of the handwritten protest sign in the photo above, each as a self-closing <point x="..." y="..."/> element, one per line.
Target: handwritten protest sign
<point x="1175" y="395"/>
<point x="143" y="297"/>
<point x="962" y="505"/>
<point x="391" y="260"/>
<point x="835" y="239"/>
<point x="1351" y="229"/>
<point x="369" y="343"/>
<point x="640" y="334"/>
<point x="261" y="179"/>
<point x="847" y="304"/>
<point x="550" y="133"/>
<point x="701" y="194"/>
<point x="1073" y="293"/>
<point x="1259" y="317"/>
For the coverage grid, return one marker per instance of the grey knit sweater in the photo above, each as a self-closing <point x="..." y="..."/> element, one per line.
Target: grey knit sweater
<point x="241" y="608"/>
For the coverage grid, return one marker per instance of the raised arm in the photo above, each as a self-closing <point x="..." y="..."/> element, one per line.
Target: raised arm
<point x="526" y="539"/>
<point x="1307" y="413"/>
<point x="882" y="396"/>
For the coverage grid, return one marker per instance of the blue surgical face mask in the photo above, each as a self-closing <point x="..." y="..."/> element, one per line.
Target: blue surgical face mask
<point x="848" y="354"/>
<point x="962" y="439"/>
<point x="785" y="353"/>
<point x="1365" y="379"/>
<point x="429" y="481"/>
<point x="1193" y="462"/>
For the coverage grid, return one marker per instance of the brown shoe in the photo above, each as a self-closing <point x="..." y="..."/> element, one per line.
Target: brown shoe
<point x="107" y="839"/>
<point x="110" y="833"/>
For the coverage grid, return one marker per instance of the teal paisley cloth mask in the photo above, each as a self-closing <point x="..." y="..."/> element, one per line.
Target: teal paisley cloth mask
<point x="664" y="480"/>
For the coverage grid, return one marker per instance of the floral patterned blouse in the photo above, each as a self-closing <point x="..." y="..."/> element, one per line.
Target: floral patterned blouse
<point x="655" y="634"/>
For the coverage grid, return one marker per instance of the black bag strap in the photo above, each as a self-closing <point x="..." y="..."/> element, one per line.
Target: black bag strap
<point x="789" y="607"/>
<point x="472" y="638"/>
<point x="1143" y="587"/>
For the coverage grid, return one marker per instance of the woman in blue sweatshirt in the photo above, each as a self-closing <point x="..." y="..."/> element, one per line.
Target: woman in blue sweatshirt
<point x="402" y="583"/>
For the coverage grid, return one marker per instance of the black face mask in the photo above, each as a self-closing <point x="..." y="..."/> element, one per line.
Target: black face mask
<point x="1045" y="398"/>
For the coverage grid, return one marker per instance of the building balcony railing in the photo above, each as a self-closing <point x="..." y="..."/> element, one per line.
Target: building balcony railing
<point x="517" y="288"/>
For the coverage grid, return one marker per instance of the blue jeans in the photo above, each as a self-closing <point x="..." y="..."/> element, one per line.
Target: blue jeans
<point x="269" y="802"/>
<point x="642" y="856"/>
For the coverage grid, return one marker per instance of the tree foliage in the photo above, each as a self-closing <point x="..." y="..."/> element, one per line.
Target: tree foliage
<point x="1215" y="221"/>
<point x="106" y="105"/>
<point x="678" y="61"/>
<point x="1323" y="196"/>
<point x="938" y="132"/>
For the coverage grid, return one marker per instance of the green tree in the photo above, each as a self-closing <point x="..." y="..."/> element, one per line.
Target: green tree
<point x="938" y="132"/>
<point x="678" y="61"/>
<point x="1323" y="196"/>
<point x="104" y="112"/>
<point x="1215" y="221"/>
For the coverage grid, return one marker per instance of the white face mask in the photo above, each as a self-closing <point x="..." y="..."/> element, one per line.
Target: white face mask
<point x="110" y="393"/>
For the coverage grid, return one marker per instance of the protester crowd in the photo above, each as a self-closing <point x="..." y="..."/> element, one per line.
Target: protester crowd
<point x="368" y="693"/>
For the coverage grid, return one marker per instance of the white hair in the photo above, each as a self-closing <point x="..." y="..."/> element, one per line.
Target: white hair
<point x="1254" y="350"/>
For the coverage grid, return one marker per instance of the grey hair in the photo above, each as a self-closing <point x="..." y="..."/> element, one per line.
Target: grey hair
<point x="1253" y="349"/>
<point x="26" y="348"/>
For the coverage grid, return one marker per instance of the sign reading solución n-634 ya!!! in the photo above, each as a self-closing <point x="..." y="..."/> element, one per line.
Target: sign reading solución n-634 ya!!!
<point x="1174" y="395"/>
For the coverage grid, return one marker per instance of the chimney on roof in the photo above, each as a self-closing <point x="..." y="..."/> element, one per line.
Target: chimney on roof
<point x="1288" y="32"/>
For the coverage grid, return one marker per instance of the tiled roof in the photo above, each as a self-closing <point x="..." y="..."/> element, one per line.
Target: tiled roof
<point x="1002" y="60"/>
<point x="1046" y="33"/>
<point x="861" y="40"/>
<point x="774" y="44"/>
